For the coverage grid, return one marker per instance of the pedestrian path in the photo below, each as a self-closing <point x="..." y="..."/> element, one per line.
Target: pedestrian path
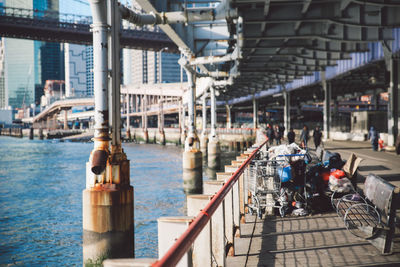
<point x="318" y="240"/>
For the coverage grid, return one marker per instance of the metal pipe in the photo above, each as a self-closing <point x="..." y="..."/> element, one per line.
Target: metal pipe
<point x="213" y="113"/>
<point x="255" y="112"/>
<point x="204" y="108"/>
<point x="191" y="101"/>
<point x="214" y="59"/>
<point x="327" y="104"/>
<point x="222" y="11"/>
<point x="113" y="18"/>
<point x="100" y="69"/>
<point x="184" y="242"/>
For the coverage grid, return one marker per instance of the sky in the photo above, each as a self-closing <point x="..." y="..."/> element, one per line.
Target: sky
<point x="78" y="7"/>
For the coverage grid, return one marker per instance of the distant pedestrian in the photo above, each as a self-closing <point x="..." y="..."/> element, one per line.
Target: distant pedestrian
<point x="398" y="145"/>
<point x="282" y="131"/>
<point x="291" y="136"/>
<point x="373" y="136"/>
<point x="270" y="134"/>
<point x="304" y="136"/>
<point x="317" y="135"/>
<point x="277" y="135"/>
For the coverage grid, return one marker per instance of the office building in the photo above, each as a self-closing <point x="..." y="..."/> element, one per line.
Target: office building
<point x="28" y="64"/>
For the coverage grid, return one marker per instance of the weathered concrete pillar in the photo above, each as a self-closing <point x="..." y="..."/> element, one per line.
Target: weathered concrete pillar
<point x="377" y="98"/>
<point x="48" y="124"/>
<point x="128" y="118"/>
<point x="145" y="130"/>
<point x="286" y="111"/>
<point x="228" y="117"/>
<point x="255" y="112"/>
<point x="326" y="87"/>
<point x="41" y="135"/>
<point x="31" y="133"/>
<point x="192" y="156"/>
<point x="393" y="105"/>
<point x="161" y="120"/>
<point x="108" y="198"/>
<point x="107" y="223"/>
<point x="204" y="137"/>
<point x="65" y="119"/>
<point x="214" y="150"/>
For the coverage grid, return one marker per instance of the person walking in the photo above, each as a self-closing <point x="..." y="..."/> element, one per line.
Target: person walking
<point x="270" y="134"/>
<point x="291" y="136"/>
<point x="373" y="136"/>
<point x="282" y="131"/>
<point x="317" y="135"/>
<point x="304" y="136"/>
<point x="277" y="135"/>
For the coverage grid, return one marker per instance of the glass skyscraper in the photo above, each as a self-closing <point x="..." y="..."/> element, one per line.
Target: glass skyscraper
<point x="28" y="64"/>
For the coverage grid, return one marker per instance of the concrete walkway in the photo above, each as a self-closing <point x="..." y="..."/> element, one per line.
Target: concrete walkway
<point x="319" y="240"/>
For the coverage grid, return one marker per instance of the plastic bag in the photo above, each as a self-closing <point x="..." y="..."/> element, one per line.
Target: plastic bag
<point x="342" y="185"/>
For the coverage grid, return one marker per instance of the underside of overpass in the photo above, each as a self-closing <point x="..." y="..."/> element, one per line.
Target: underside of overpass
<point x="288" y="53"/>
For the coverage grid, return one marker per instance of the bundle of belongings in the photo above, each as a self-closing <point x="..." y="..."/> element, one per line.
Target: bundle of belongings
<point x="307" y="183"/>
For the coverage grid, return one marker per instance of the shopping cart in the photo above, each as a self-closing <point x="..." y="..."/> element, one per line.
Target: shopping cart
<point x="264" y="185"/>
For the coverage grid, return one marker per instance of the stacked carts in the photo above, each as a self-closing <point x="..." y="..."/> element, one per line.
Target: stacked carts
<point x="264" y="185"/>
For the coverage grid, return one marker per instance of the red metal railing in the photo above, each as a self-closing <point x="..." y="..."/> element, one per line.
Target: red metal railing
<point x="182" y="245"/>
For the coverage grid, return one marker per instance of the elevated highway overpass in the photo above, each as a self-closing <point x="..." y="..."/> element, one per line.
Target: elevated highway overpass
<point x="291" y="51"/>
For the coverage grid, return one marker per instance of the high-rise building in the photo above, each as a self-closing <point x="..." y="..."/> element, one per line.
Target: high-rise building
<point x="75" y="70"/>
<point x="89" y="71"/>
<point x="141" y="66"/>
<point x="151" y="67"/>
<point x="28" y="64"/>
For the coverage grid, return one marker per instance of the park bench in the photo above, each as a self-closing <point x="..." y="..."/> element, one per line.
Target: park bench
<point x="371" y="214"/>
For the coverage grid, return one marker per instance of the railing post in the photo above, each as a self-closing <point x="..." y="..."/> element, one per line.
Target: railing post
<point x="169" y="229"/>
<point x="229" y="221"/>
<point x="202" y="255"/>
<point x="217" y="224"/>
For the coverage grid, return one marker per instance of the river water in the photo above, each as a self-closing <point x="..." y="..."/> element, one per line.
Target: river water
<point x="41" y="185"/>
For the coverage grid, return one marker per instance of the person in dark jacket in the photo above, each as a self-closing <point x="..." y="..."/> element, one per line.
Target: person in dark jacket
<point x="304" y="136"/>
<point x="397" y="145"/>
<point x="317" y="135"/>
<point x="270" y="134"/>
<point x="277" y="135"/>
<point x="373" y="135"/>
<point x="291" y="136"/>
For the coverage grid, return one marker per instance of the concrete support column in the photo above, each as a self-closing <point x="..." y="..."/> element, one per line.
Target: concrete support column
<point x="286" y="111"/>
<point x="377" y="98"/>
<point x="214" y="150"/>
<point x="41" y="135"/>
<point x="393" y="105"/>
<point x="192" y="156"/>
<point x="31" y="133"/>
<point x="145" y="131"/>
<point x="228" y="117"/>
<point x="65" y="119"/>
<point x="108" y="198"/>
<point x="204" y="137"/>
<point x="326" y="87"/>
<point x="48" y="124"/>
<point x="255" y="113"/>
<point x="161" y="126"/>
<point x="128" y="118"/>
